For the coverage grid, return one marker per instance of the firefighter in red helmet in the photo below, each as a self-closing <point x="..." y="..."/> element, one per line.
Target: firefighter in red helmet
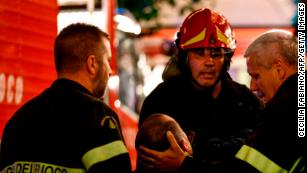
<point x="216" y="113"/>
<point x="206" y="28"/>
<point x="205" y="31"/>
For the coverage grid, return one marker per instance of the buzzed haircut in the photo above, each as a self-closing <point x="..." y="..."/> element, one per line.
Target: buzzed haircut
<point x="152" y="133"/>
<point x="75" y="43"/>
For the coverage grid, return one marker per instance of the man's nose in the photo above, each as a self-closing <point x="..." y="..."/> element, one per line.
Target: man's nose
<point x="208" y="59"/>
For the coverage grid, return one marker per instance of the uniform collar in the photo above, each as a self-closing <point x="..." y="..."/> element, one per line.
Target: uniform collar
<point x="70" y="84"/>
<point x="290" y="84"/>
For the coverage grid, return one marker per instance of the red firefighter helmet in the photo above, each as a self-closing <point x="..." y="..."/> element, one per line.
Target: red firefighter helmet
<point x="205" y="28"/>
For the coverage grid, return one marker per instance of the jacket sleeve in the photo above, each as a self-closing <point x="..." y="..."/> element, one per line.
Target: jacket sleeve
<point x="191" y="164"/>
<point x="226" y="149"/>
<point x="104" y="147"/>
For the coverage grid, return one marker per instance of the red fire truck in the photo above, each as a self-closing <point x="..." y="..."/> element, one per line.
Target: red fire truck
<point x="28" y="30"/>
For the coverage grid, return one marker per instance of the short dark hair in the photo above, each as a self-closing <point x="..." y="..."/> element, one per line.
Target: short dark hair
<point x="75" y="43"/>
<point x="152" y="133"/>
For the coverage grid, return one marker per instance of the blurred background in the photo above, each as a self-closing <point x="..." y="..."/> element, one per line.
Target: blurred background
<point x="142" y="34"/>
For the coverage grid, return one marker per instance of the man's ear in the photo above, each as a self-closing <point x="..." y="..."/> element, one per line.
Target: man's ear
<point x="91" y="64"/>
<point x="280" y="69"/>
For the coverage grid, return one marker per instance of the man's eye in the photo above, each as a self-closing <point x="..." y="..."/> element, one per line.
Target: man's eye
<point x="216" y="55"/>
<point x="199" y="52"/>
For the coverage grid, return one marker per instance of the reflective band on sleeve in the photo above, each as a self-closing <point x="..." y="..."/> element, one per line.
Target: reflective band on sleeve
<point x="258" y="160"/>
<point x="296" y="164"/>
<point x="38" y="167"/>
<point x="103" y="153"/>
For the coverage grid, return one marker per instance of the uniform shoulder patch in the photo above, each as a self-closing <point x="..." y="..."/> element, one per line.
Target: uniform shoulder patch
<point x="109" y="121"/>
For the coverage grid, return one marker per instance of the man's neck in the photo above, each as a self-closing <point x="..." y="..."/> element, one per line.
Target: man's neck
<point x="215" y="91"/>
<point x="77" y="77"/>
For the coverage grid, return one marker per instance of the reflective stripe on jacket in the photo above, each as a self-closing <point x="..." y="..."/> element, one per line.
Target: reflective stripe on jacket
<point x="261" y="162"/>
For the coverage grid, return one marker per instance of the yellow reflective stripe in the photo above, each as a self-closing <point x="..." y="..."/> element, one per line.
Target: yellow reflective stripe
<point x="221" y="36"/>
<point x="196" y="38"/>
<point x="295" y="164"/>
<point x="103" y="153"/>
<point x="258" y="160"/>
<point x="39" y="167"/>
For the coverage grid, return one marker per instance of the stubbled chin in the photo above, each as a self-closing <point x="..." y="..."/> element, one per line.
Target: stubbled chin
<point x="206" y="80"/>
<point x="206" y="83"/>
